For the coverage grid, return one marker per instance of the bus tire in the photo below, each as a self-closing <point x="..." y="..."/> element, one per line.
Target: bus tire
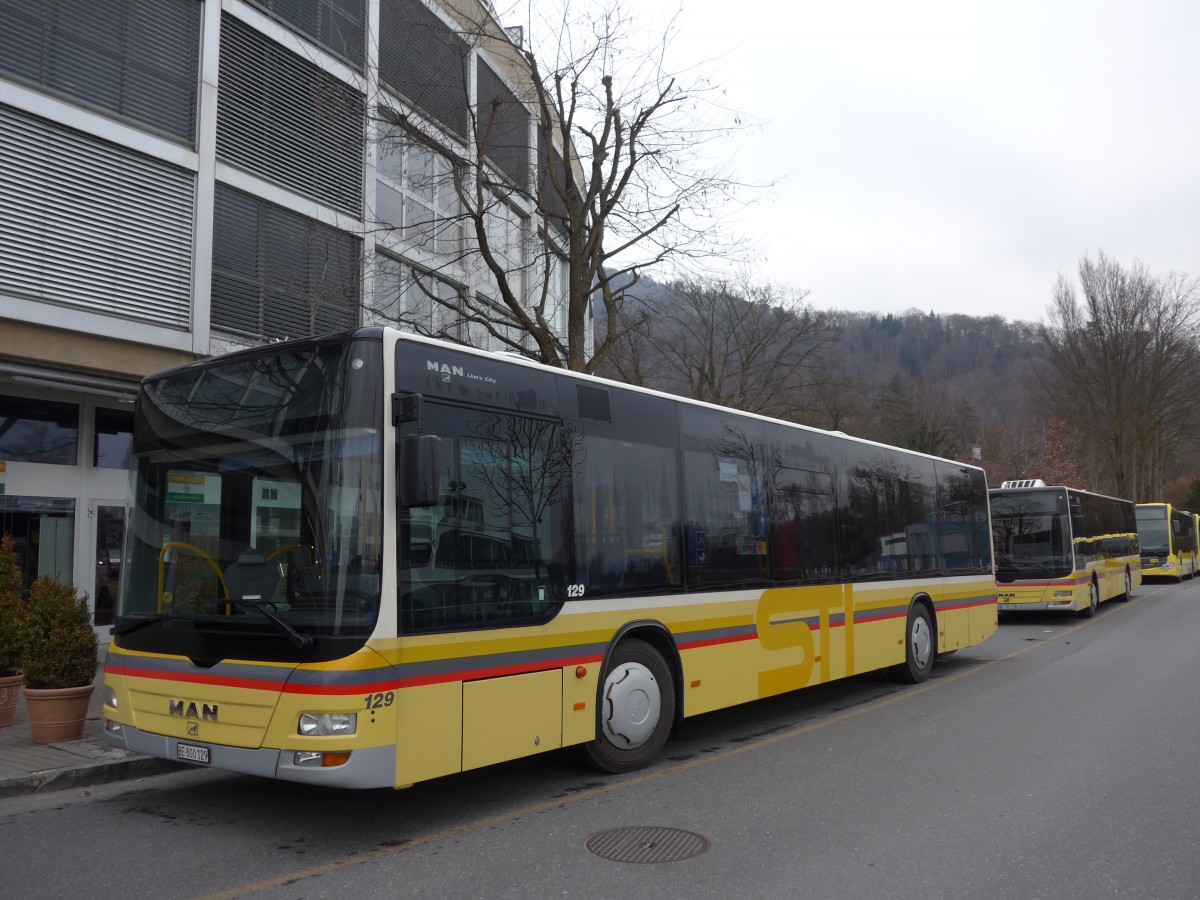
<point x="636" y="709"/>
<point x="1128" y="587"/>
<point x="920" y="647"/>
<point x="1093" y="601"/>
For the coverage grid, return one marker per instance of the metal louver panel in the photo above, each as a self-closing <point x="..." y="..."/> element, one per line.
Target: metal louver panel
<point x="92" y="226"/>
<point x="503" y="125"/>
<point x="137" y="59"/>
<point x="424" y="61"/>
<point x="277" y="274"/>
<point x="338" y="25"/>
<point x="284" y="119"/>
<point x="553" y="206"/>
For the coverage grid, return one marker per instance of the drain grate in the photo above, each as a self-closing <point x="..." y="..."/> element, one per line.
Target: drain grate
<point x="646" y="844"/>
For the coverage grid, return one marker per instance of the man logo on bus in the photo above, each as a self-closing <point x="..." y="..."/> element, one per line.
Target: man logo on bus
<point x="445" y="370"/>
<point x="189" y="709"/>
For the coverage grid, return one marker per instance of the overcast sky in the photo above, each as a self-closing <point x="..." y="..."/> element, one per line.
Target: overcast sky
<point x="957" y="155"/>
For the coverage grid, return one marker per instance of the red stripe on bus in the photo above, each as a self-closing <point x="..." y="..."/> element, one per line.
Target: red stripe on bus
<point x="858" y="619"/>
<point x="494" y="671"/>
<point x="713" y="642"/>
<point x="333" y="690"/>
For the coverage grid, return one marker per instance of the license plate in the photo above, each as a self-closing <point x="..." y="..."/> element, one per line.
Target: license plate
<point x="192" y="753"/>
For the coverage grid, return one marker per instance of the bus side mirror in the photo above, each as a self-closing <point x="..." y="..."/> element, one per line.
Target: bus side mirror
<point x="419" y="469"/>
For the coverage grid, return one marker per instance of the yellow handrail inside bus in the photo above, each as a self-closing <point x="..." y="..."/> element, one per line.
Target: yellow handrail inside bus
<point x="192" y="548"/>
<point x="275" y="554"/>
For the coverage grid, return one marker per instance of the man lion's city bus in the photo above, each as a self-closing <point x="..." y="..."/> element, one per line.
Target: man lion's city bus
<point x="370" y="559"/>
<point x="1168" y="538"/>
<point x="1059" y="548"/>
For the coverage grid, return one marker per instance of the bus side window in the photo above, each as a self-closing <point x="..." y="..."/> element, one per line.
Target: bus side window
<point x="626" y="515"/>
<point x="489" y="551"/>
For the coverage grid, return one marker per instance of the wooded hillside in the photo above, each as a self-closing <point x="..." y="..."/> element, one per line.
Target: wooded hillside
<point x="967" y="387"/>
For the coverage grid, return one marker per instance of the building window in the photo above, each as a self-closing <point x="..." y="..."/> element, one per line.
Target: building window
<point x="558" y="295"/>
<point x="277" y="274"/>
<point x="507" y="232"/>
<point x="417" y="300"/>
<point x="43" y="536"/>
<point x="38" y="431"/>
<point x="113" y="445"/>
<point x="417" y="198"/>
<point x="135" y="59"/>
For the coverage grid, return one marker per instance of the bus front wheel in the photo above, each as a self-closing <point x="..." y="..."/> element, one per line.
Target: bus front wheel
<point x="920" y="647"/>
<point x="637" y="707"/>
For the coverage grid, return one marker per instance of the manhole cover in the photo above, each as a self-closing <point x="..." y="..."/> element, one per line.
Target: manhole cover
<point x="646" y="844"/>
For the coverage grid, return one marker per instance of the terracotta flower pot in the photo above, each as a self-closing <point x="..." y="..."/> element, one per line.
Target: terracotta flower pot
<point x="57" y="714"/>
<point x="10" y="692"/>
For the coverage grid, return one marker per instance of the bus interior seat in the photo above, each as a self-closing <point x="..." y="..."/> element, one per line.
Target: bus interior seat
<point x="251" y="577"/>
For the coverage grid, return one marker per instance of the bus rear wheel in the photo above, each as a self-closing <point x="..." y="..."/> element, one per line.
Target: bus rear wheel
<point x="920" y="647"/>
<point x="636" y="709"/>
<point x="1128" y="587"/>
<point x="1093" y="602"/>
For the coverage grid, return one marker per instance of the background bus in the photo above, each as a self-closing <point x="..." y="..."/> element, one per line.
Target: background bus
<point x="1168" y="538"/>
<point x="372" y="559"/>
<point x="1059" y="548"/>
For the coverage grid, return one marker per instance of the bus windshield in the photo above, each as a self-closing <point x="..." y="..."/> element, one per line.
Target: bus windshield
<point x="254" y="528"/>
<point x="1031" y="535"/>
<point x="1153" y="534"/>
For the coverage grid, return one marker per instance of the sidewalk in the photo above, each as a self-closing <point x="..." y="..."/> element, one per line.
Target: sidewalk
<point x="26" y="767"/>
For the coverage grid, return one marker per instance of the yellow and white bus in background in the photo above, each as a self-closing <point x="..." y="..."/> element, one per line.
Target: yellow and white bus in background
<point x="1060" y="548"/>
<point x="1168" y="538"/>
<point x="371" y="559"/>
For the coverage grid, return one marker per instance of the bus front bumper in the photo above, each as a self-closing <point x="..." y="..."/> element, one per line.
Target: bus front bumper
<point x="1039" y="606"/>
<point x="373" y="767"/>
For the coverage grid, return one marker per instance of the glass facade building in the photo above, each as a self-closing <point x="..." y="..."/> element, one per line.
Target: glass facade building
<point x="154" y="213"/>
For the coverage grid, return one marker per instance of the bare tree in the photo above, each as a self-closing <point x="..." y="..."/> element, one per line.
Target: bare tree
<point x="760" y="348"/>
<point x="1123" y="368"/>
<point x="577" y="174"/>
<point x="920" y="416"/>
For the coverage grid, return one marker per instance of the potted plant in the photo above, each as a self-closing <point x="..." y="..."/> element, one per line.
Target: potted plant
<point x="12" y="615"/>
<point x="58" y="661"/>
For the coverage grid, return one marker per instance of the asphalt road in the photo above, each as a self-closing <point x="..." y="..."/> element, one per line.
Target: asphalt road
<point x="1058" y="759"/>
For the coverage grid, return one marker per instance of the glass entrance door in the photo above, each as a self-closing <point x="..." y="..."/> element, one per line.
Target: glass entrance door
<point x="108" y="526"/>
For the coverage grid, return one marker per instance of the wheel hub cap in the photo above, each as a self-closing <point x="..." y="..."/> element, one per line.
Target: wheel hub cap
<point x="922" y="643"/>
<point x="632" y="705"/>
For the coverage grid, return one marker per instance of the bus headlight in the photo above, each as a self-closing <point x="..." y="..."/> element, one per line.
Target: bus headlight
<point x="327" y="724"/>
<point x="110" y="697"/>
<point x="1058" y="594"/>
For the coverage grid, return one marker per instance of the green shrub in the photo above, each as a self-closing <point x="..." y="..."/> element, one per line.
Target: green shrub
<point x="12" y="610"/>
<point x="58" y="644"/>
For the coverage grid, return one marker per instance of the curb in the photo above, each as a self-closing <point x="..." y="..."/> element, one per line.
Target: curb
<point x="86" y="775"/>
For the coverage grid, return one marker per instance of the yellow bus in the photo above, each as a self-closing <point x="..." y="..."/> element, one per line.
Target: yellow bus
<point x="1059" y="548"/>
<point x="1168" y="539"/>
<point x="372" y="559"/>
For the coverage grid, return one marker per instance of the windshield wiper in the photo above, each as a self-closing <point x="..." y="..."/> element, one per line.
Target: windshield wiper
<point x="299" y="638"/>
